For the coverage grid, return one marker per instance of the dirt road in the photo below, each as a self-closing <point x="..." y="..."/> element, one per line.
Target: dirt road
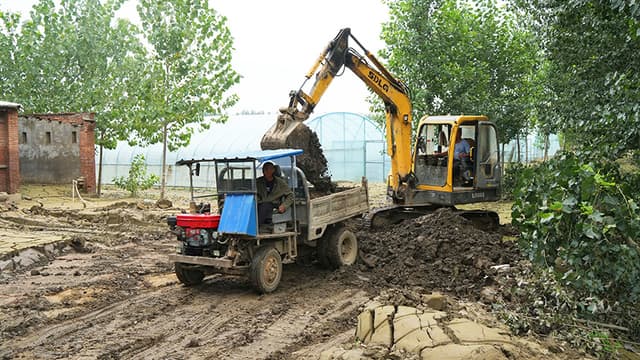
<point x="112" y="294"/>
<point x="107" y="291"/>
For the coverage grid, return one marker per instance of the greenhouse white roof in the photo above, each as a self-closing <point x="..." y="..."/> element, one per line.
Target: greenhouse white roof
<point x="240" y="134"/>
<point x="352" y="143"/>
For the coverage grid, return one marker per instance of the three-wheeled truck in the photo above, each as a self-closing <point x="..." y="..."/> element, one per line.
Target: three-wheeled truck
<point x="233" y="242"/>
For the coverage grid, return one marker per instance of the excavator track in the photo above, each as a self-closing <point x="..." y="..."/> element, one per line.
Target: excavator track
<point x="390" y="215"/>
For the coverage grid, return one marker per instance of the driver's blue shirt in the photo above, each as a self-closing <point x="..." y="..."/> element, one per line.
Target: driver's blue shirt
<point x="461" y="147"/>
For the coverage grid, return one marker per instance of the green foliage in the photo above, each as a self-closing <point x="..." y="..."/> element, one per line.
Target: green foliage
<point x="188" y="73"/>
<point x="546" y="307"/>
<point x="512" y="173"/>
<point x="607" y="345"/>
<point x="583" y="220"/>
<point x="463" y="58"/>
<point x="73" y="57"/>
<point x="591" y="84"/>
<point x="138" y="179"/>
<point x="542" y="306"/>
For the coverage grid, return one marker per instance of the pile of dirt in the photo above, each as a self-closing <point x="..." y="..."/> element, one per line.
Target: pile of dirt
<point x="440" y="251"/>
<point x="312" y="161"/>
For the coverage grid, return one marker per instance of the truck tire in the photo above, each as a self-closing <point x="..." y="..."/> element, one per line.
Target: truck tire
<point x="342" y="247"/>
<point x="322" y="251"/>
<point x="266" y="269"/>
<point x="187" y="275"/>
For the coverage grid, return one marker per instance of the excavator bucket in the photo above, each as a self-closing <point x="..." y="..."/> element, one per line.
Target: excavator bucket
<point x="288" y="125"/>
<point x="289" y="132"/>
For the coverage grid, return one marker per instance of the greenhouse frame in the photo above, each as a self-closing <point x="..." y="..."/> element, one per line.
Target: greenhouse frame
<point x="353" y="145"/>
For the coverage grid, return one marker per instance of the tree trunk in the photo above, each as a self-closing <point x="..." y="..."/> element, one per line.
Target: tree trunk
<point x="518" y="148"/>
<point x="502" y="160"/>
<point x="526" y="148"/>
<point x="100" y="170"/>
<point x="163" y="182"/>
<point x="546" y="147"/>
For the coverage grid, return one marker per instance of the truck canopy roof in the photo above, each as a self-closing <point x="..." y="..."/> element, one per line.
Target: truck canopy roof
<point x="260" y="156"/>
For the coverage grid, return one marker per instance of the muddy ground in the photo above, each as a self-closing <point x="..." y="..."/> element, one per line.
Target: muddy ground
<point x="108" y="292"/>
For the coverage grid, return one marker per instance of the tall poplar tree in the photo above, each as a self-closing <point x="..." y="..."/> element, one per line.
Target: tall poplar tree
<point x="76" y="56"/>
<point x="463" y="57"/>
<point x="188" y="73"/>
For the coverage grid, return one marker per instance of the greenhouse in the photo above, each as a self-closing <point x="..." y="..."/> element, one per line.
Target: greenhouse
<point x="353" y="144"/>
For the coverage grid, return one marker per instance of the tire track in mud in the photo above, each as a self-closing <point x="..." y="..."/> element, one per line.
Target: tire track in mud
<point x="87" y="327"/>
<point x="223" y="318"/>
<point x="286" y="325"/>
<point x="226" y="319"/>
<point x="100" y="301"/>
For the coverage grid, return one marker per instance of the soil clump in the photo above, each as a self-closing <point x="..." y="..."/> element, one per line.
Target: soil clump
<point x="312" y="161"/>
<point x="441" y="251"/>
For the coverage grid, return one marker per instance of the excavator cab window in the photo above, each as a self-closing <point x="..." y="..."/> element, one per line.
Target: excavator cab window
<point x="432" y="148"/>
<point x="488" y="157"/>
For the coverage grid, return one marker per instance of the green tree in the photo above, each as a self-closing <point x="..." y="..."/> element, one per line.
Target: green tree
<point x="9" y="30"/>
<point x="578" y="214"/>
<point x="187" y="75"/>
<point x="462" y="57"/>
<point x="592" y="49"/>
<point x="581" y="221"/>
<point x="73" y="57"/>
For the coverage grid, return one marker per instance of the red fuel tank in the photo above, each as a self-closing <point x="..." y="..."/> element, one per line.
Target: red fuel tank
<point x="200" y="221"/>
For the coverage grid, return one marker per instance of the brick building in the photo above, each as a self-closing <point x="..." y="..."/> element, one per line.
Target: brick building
<point x="9" y="158"/>
<point x="57" y="148"/>
<point x="45" y="148"/>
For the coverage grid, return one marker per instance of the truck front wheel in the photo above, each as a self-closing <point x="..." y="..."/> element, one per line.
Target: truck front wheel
<point x="341" y="247"/>
<point x="187" y="275"/>
<point x="266" y="269"/>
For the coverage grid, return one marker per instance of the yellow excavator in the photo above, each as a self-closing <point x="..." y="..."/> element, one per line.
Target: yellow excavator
<point x="454" y="160"/>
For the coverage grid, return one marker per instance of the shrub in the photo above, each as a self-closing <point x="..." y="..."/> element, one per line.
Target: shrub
<point x="137" y="179"/>
<point x="512" y="173"/>
<point x="582" y="220"/>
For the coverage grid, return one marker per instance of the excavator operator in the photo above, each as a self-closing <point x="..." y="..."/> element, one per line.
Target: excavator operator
<point x="461" y="160"/>
<point x="461" y="148"/>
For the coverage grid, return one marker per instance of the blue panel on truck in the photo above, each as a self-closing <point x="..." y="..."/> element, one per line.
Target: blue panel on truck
<point x="239" y="215"/>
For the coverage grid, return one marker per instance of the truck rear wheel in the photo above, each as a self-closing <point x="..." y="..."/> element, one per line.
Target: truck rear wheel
<point x="266" y="269"/>
<point x="341" y="247"/>
<point x="187" y="275"/>
<point x="322" y="251"/>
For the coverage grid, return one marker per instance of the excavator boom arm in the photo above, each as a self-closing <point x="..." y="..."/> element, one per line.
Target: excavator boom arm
<point x="398" y="116"/>
<point x="392" y="91"/>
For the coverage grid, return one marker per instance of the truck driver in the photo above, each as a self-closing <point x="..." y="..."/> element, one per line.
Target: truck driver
<point x="273" y="193"/>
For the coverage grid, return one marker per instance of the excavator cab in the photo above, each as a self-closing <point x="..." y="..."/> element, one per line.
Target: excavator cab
<point x="456" y="161"/>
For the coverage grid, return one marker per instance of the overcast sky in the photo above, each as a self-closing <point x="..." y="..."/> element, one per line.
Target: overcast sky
<point x="277" y="41"/>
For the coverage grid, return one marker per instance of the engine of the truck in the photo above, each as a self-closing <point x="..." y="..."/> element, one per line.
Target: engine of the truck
<point x="198" y="234"/>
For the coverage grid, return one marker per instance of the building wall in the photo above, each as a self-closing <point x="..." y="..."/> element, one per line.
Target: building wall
<point x="9" y="160"/>
<point x="57" y="148"/>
